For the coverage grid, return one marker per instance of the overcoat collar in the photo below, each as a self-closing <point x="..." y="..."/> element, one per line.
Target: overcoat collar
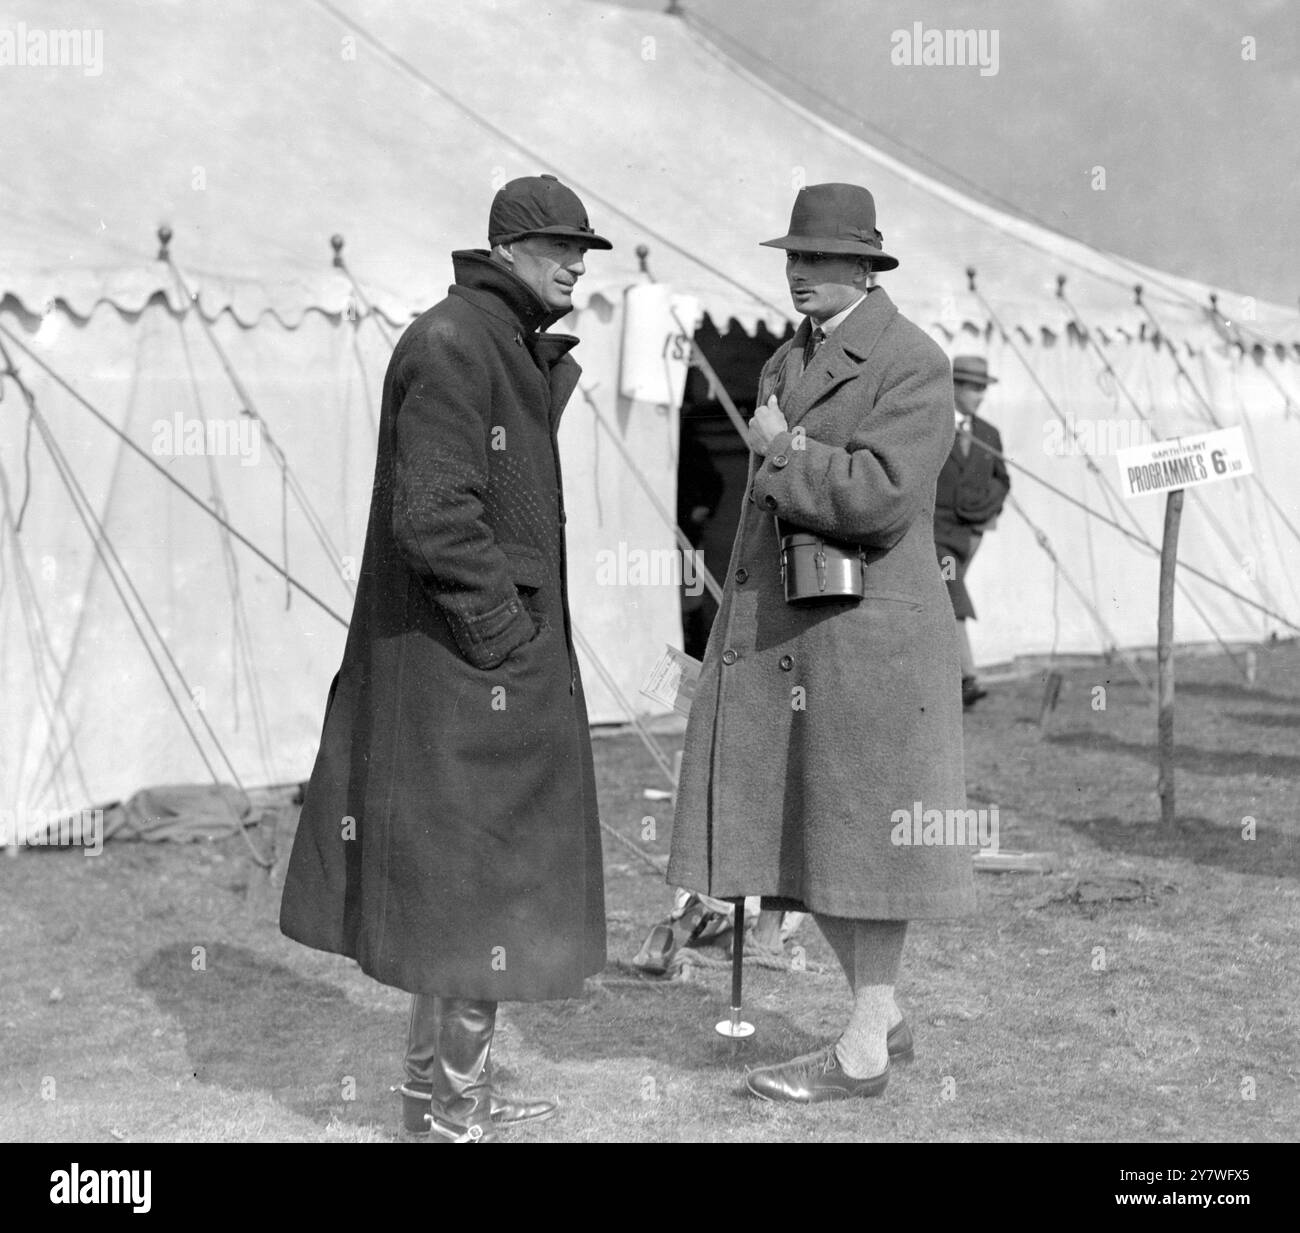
<point x="501" y="293"/>
<point x="839" y="358"/>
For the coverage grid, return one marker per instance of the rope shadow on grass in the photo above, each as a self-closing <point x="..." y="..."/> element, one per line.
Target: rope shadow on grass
<point x="254" y="1025"/>
<point x="1266" y="719"/>
<point x="1221" y="762"/>
<point x="1199" y="840"/>
<point x="1228" y="691"/>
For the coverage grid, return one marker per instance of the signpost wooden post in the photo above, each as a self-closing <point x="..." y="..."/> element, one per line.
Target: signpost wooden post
<point x="1169" y="466"/>
<point x="1165" y="661"/>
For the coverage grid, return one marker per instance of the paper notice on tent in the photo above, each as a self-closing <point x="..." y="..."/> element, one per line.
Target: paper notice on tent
<point x="1183" y="462"/>
<point x="673" y="679"/>
<point x="657" y="327"/>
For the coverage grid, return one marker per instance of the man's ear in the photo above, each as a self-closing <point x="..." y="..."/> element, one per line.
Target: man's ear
<point x="503" y="253"/>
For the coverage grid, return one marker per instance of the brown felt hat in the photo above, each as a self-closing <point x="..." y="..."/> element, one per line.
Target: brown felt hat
<point x="835" y="218"/>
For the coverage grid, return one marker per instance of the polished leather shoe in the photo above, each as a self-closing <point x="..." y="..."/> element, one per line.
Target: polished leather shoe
<point x="511" y="1111"/>
<point x="899" y="1043"/>
<point x="811" y="1079"/>
<point x="971" y="692"/>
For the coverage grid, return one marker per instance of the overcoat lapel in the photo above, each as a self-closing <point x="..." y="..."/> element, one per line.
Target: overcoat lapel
<point x="840" y="357"/>
<point x="562" y="370"/>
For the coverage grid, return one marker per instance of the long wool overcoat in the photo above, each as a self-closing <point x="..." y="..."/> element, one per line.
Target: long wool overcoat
<point x="449" y="840"/>
<point x="812" y="725"/>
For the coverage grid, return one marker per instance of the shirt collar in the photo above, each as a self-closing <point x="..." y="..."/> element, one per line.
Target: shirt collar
<point x="833" y="323"/>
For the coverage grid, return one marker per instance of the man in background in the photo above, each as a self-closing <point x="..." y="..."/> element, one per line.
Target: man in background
<point x="972" y="488"/>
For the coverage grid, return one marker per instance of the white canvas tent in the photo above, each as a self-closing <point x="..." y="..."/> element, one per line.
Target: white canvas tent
<point x="257" y="132"/>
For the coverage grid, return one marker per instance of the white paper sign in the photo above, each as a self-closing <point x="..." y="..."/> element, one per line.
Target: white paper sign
<point x="1183" y="462"/>
<point x="673" y="679"/>
<point x="657" y="328"/>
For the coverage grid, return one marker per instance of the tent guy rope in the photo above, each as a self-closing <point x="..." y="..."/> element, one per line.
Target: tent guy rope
<point x="1102" y="480"/>
<point x="247" y="403"/>
<point x="79" y="398"/>
<point x="119" y="577"/>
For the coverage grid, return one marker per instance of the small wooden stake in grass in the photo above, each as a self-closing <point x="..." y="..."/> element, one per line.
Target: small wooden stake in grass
<point x="735" y="1027"/>
<point x="1165" y="659"/>
<point x="1051" y="696"/>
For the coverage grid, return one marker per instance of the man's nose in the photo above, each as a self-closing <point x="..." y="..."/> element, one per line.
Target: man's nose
<point x="577" y="267"/>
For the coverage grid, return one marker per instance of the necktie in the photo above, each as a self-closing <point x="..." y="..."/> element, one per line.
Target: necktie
<point x="816" y="337"/>
<point x="963" y="438"/>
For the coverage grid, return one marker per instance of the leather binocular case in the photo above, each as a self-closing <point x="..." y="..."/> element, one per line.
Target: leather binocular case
<point x="815" y="569"/>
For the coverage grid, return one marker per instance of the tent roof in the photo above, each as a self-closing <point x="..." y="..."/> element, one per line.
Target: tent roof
<point x="257" y="131"/>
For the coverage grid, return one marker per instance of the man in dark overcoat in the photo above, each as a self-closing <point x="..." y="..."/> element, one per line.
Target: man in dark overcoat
<point x="972" y="489"/>
<point x="816" y="726"/>
<point x="449" y="840"/>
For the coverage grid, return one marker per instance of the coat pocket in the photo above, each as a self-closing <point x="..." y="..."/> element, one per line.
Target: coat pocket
<point x="527" y="566"/>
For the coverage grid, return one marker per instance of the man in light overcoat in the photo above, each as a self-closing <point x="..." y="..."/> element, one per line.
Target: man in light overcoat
<point x="817" y="725"/>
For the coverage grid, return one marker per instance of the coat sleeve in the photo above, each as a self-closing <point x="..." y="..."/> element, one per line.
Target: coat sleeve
<point x="872" y="489"/>
<point x="440" y="478"/>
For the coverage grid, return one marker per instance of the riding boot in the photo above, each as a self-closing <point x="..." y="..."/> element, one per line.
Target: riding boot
<point x="448" y="1045"/>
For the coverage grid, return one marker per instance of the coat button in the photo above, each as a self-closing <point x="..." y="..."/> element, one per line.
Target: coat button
<point x="787" y="663"/>
<point x="742" y="576"/>
<point x="780" y="460"/>
<point x="769" y="501"/>
<point x="729" y="657"/>
<point x="514" y="608"/>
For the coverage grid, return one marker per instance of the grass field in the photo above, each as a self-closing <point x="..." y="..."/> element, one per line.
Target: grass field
<point x="1148" y="988"/>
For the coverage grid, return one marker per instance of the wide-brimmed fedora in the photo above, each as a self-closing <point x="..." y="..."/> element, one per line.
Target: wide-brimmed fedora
<point x="972" y="370"/>
<point x="540" y="205"/>
<point x="835" y="218"/>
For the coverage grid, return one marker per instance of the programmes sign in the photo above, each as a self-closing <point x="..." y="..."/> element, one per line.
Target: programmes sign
<point x="1183" y="462"/>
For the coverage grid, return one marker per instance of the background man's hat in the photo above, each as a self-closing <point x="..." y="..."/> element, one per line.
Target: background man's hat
<point x="540" y="205"/>
<point x="972" y="370"/>
<point x="835" y="218"/>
